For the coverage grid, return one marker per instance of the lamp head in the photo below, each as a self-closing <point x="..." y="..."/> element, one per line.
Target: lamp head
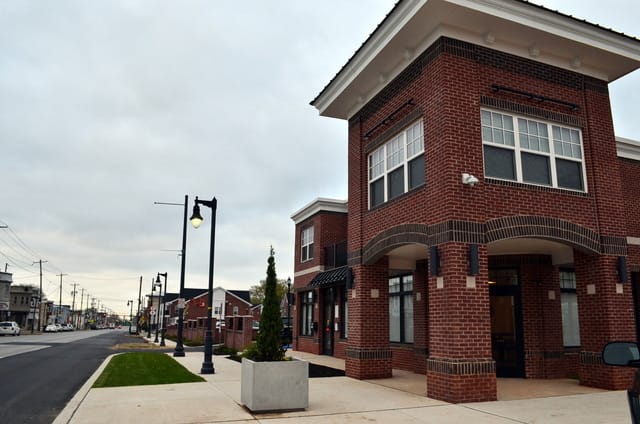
<point x="158" y="279"/>
<point x="196" y="219"/>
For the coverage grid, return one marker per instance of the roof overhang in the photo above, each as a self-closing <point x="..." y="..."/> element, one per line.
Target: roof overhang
<point x="516" y="27"/>
<point x="319" y="205"/>
<point x="628" y="149"/>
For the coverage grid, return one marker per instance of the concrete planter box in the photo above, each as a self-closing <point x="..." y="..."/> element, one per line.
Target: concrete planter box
<point x="275" y="386"/>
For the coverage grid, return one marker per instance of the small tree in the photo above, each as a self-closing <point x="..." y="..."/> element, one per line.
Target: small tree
<point x="268" y="345"/>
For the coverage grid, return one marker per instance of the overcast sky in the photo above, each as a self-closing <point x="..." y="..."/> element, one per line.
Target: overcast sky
<point x="109" y="106"/>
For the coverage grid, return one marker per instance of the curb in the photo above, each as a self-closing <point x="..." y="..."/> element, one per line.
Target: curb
<point x="65" y="416"/>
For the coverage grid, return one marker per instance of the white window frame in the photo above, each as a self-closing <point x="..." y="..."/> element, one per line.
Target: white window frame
<point x="552" y="155"/>
<point x="306" y="244"/>
<point x="395" y="154"/>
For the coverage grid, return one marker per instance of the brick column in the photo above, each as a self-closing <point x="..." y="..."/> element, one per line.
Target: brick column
<point x="605" y="310"/>
<point x="420" y="317"/>
<point x="460" y="367"/>
<point x="368" y="353"/>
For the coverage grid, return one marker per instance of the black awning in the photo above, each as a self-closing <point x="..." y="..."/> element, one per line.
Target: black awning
<point x="334" y="277"/>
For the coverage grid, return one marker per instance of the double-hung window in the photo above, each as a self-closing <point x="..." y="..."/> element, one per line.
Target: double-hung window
<point x="307" y="244"/>
<point x="531" y="151"/>
<point x="397" y="166"/>
<point x="569" y="306"/>
<point x="401" y="309"/>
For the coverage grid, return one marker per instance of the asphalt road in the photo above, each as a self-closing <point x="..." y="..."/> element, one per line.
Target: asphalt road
<point x="39" y="374"/>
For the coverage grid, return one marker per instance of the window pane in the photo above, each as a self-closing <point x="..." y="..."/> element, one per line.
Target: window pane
<point x="415" y="142"/>
<point x="396" y="182"/>
<point x="567" y="280"/>
<point x="486" y="117"/>
<point x="416" y="172"/>
<point x="376" y="163"/>
<point x="408" y="318"/>
<point x="535" y="169"/>
<point x="569" y="174"/>
<point x="487" y="134"/>
<point x="395" y="152"/>
<point x="376" y="190"/>
<point x="570" y="323"/>
<point x="499" y="129"/>
<point x="407" y="283"/>
<point x="394" y="285"/>
<point x="497" y="137"/>
<point x="394" y="318"/>
<point x="499" y="163"/>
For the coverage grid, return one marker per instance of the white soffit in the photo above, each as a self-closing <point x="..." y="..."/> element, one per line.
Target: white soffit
<point x="514" y="27"/>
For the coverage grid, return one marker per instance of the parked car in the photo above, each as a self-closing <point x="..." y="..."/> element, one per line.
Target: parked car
<point x="70" y="327"/>
<point x="51" y="328"/>
<point x="626" y="354"/>
<point x="9" y="328"/>
<point x="59" y="327"/>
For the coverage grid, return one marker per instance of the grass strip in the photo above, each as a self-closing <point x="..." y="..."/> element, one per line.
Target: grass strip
<point x="144" y="368"/>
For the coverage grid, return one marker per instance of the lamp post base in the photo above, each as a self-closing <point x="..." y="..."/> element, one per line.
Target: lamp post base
<point x="207" y="364"/>
<point x="179" y="350"/>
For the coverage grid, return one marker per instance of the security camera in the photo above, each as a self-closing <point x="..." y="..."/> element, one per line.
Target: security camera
<point x="469" y="179"/>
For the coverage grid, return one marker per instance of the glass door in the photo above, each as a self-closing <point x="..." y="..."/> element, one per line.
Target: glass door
<point x="506" y="322"/>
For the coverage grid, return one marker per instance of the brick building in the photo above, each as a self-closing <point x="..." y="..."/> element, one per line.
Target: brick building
<point x="492" y="227"/>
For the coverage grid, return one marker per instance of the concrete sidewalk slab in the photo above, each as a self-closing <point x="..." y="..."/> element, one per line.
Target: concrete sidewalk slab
<point x="333" y="400"/>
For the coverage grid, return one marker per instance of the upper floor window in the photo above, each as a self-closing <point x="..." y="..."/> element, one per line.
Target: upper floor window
<point x="307" y="244"/>
<point x="530" y="151"/>
<point x="397" y="166"/>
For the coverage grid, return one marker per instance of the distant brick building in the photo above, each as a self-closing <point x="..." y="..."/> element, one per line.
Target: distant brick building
<point x="492" y="223"/>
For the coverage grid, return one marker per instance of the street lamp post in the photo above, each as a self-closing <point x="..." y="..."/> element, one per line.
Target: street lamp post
<point x="179" y="349"/>
<point x="164" y="306"/>
<point x="149" y="321"/>
<point x="196" y="220"/>
<point x="130" y="302"/>
<point x="159" y="285"/>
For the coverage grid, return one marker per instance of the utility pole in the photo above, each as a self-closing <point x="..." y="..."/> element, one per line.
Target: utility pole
<point x="60" y="304"/>
<point x="40" y="297"/>
<point x="73" y="303"/>
<point x="81" y="302"/>
<point x="93" y="310"/>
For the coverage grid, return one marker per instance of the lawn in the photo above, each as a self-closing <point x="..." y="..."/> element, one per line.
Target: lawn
<point x="144" y="368"/>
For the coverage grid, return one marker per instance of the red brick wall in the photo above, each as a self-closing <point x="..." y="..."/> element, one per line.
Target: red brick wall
<point x="605" y="315"/>
<point x="403" y="357"/>
<point x="239" y="333"/>
<point x="232" y="301"/>
<point x="448" y="91"/>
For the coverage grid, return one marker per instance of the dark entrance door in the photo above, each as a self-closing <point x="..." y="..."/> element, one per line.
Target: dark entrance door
<point x="327" y="321"/>
<point x="506" y="322"/>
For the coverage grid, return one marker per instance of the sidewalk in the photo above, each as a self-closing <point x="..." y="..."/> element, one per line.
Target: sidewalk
<point x="331" y="400"/>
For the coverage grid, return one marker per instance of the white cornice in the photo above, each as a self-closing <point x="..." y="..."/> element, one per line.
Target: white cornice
<point x="319" y="205"/>
<point x="628" y="149"/>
